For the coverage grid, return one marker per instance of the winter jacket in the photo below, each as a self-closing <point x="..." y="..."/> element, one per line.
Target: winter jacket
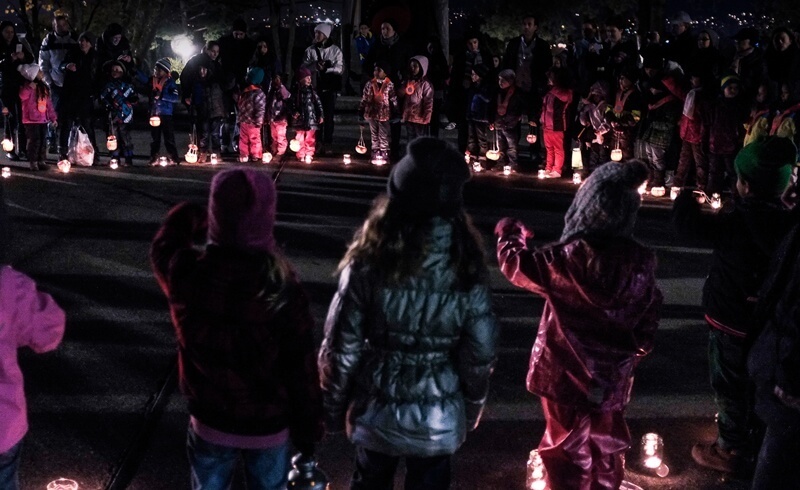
<point x="408" y="365"/>
<point x="207" y="99"/>
<point x="379" y="100"/>
<point x="363" y="45"/>
<point x="84" y="82"/>
<point x="555" y="105"/>
<point x="108" y="51"/>
<point x="541" y="60"/>
<point x="118" y="98"/>
<point x="479" y="100"/>
<point x="278" y="103"/>
<point x="252" y="106"/>
<point x="659" y="125"/>
<point x="600" y="314"/>
<point x="28" y="318"/>
<point x="752" y="70"/>
<point x="245" y="352"/>
<point x="726" y="130"/>
<point x="10" y="78"/>
<point x="235" y="55"/>
<point x="744" y="237"/>
<point x="693" y="126"/>
<point x="394" y="51"/>
<point x="514" y="108"/>
<point x="167" y="95"/>
<point x="190" y="75"/>
<point x="306" y="109"/>
<point x="53" y="51"/>
<point x="329" y="78"/>
<point x="418" y="105"/>
<point x="32" y="107"/>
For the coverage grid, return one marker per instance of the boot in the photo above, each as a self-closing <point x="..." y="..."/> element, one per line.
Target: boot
<point x="34" y="166"/>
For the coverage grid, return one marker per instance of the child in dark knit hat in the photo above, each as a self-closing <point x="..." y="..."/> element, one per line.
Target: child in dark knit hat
<point x="307" y="115"/>
<point x="600" y="316"/>
<point x="164" y="95"/>
<point x="505" y="115"/>
<point x="378" y="104"/>
<point x="745" y="234"/>
<point x="411" y="316"/>
<point x="244" y="330"/>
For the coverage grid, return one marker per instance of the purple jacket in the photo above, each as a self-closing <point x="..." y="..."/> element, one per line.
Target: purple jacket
<point x="600" y="314"/>
<point x="28" y="318"/>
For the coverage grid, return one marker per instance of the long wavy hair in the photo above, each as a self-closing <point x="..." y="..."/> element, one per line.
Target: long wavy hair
<point x="395" y="244"/>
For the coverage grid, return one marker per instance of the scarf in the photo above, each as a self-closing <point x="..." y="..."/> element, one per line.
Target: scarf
<point x="619" y="103"/>
<point x="388" y="41"/>
<point x="379" y="88"/>
<point x="158" y="84"/>
<point x="778" y="120"/>
<point x="502" y="102"/>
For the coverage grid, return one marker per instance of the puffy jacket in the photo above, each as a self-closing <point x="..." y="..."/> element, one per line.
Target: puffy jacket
<point x="600" y="314"/>
<point x="379" y="100"/>
<point x="408" y="365"/>
<point x="418" y="105"/>
<point x="307" y="109"/>
<point x="29" y="318"/>
<point x="32" y="112"/>
<point x="207" y="99"/>
<point x="555" y="106"/>
<point x="694" y="119"/>
<point x="278" y="103"/>
<point x="330" y="78"/>
<point x="118" y="98"/>
<point x="167" y="94"/>
<point x="252" y="105"/>
<point x="53" y="51"/>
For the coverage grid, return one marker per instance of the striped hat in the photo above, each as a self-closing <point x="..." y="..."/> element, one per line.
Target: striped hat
<point x="165" y="64"/>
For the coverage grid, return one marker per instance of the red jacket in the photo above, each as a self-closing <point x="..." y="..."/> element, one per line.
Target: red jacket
<point x="600" y="314"/>
<point x="554" y="109"/>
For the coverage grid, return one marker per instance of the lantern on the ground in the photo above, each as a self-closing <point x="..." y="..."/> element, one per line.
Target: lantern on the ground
<point x="716" y="201"/>
<point x="7" y="144"/>
<point x="541" y="173"/>
<point x="111" y="143"/>
<point x="155" y="121"/>
<point x="214" y="159"/>
<point x="577" y="158"/>
<point x="616" y="155"/>
<point x="493" y="155"/>
<point x="191" y="154"/>
<point x="266" y="157"/>
<point x="652" y="453"/>
<point x="658" y="191"/>
<point x="643" y="188"/>
<point x="294" y="145"/>
<point x="64" y="165"/>
<point x="379" y="160"/>
<point x="307" y="159"/>
<point x="346" y="159"/>
<point x="535" y="479"/>
<point x="62" y="484"/>
<point x="6" y="172"/>
<point x="113" y="164"/>
<point x="576" y="178"/>
<point x="163" y="161"/>
<point x="476" y="166"/>
<point x="673" y="192"/>
<point x="507" y="170"/>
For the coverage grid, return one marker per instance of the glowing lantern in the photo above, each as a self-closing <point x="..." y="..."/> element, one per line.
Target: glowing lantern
<point x="541" y="174"/>
<point x="507" y="170"/>
<point x="111" y="143"/>
<point x="616" y="155"/>
<point x="294" y="145"/>
<point x="476" y="166"/>
<point x="673" y="193"/>
<point x="652" y="451"/>
<point x="379" y="160"/>
<point x="307" y="159"/>
<point x="155" y="121"/>
<point x="6" y="172"/>
<point x="62" y="484"/>
<point x="191" y="154"/>
<point x="493" y="155"/>
<point x="716" y="201"/>
<point x="535" y="479"/>
<point x="576" y="178"/>
<point x="577" y="158"/>
<point x="410" y="88"/>
<point x="466" y="156"/>
<point x="361" y="146"/>
<point x="64" y="166"/>
<point x="113" y="164"/>
<point x="163" y="161"/>
<point x="214" y="159"/>
<point x="531" y="137"/>
<point x="266" y="157"/>
<point x="7" y="144"/>
<point x="658" y="191"/>
<point x="643" y="188"/>
<point x="346" y="159"/>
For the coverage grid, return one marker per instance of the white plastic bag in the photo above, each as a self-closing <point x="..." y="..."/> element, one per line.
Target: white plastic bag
<point x="80" y="150"/>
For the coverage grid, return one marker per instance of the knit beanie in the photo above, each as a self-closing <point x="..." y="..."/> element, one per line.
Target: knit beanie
<point x="481" y="70"/>
<point x="239" y="25"/>
<point x="385" y="66"/>
<point x="255" y="76"/>
<point x="325" y="29"/>
<point x="428" y="181"/>
<point x="631" y="72"/>
<point x="165" y="64"/>
<point x="728" y="80"/>
<point x="766" y="164"/>
<point x="301" y="73"/>
<point x="241" y="210"/>
<point x="508" y="75"/>
<point x="113" y="29"/>
<point x="29" y="71"/>
<point x="607" y="202"/>
<point x="90" y="38"/>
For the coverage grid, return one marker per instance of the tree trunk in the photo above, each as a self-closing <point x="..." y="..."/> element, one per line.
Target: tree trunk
<point x="290" y="44"/>
<point x="275" y="28"/>
<point x="442" y="19"/>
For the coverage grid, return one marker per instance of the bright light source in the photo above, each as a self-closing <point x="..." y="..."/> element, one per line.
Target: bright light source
<point x="183" y="47"/>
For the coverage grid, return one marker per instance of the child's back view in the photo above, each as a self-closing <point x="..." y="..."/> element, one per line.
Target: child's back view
<point x="28" y="318"/>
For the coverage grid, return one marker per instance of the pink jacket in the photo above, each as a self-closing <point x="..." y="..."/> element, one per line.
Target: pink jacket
<point x="30" y="107"/>
<point x="28" y="318"/>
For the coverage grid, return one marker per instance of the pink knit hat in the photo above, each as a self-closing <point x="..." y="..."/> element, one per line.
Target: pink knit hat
<point x="241" y="210"/>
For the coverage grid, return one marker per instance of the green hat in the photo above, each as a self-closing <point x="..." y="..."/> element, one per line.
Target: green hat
<point x="766" y="164"/>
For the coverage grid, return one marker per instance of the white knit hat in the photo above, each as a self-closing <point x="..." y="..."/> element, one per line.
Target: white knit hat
<point x="29" y="71"/>
<point x="324" y="29"/>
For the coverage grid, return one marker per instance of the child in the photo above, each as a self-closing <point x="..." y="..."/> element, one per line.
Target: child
<point x="785" y="118"/>
<point x="554" y="122"/>
<point x="118" y="97"/>
<point x="208" y="106"/>
<point x="625" y="114"/>
<point x="163" y="95"/>
<point x="37" y="111"/>
<point x="278" y="105"/>
<point x="252" y="105"/>
<point x="478" y="98"/>
<point x="757" y="124"/>
<point x="591" y="115"/>
<point x="726" y="134"/>
<point x="745" y="235"/>
<point x="410" y="337"/>
<point x="417" y="99"/>
<point x="693" y="130"/>
<point x="378" y="103"/>
<point x="600" y="317"/>
<point x="504" y="117"/>
<point x="307" y="115"/>
<point x="28" y="318"/>
<point x="246" y="350"/>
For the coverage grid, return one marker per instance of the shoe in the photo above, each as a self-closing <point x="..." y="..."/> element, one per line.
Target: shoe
<point x="450" y="126"/>
<point x="553" y="175"/>
<point x="669" y="178"/>
<point x="243" y="159"/>
<point x="34" y="166"/>
<point x="714" y="457"/>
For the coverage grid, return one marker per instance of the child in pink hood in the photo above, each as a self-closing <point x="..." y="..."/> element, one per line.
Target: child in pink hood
<point x="28" y="318"/>
<point x="37" y="111"/>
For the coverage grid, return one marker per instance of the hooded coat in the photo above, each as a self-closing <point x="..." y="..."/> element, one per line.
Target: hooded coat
<point x="244" y="330"/>
<point x="418" y="105"/>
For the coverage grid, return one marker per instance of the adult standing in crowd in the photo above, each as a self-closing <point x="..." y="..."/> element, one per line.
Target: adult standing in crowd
<point x="529" y="57"/>
<point x="191" y="71"/>
<point x="588" y="56"/>
<point x="112" y="45"/>
<point x="54" y="49"/>
<point x="748" y="63"/>
<point x="393" y="50"/>
<point x="783" y="57"/>
<point x="438" y="74"/>
<point x="265" y="58"/>
<point x="620" y="52"/>
<point x="325" y="62"/>
<point x="682" y="45"/>
<point x="81" y="86"/>
<point x="460" y="81"/>
<point x="235" y="51"/>
<point x="13" y="53"/>
<point x="364" y="42"/>
<point x="706" y="59"/>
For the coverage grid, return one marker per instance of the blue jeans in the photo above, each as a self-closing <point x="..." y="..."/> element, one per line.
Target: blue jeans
<point x="9" y="467"/>
<point x="212" y="466"/>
